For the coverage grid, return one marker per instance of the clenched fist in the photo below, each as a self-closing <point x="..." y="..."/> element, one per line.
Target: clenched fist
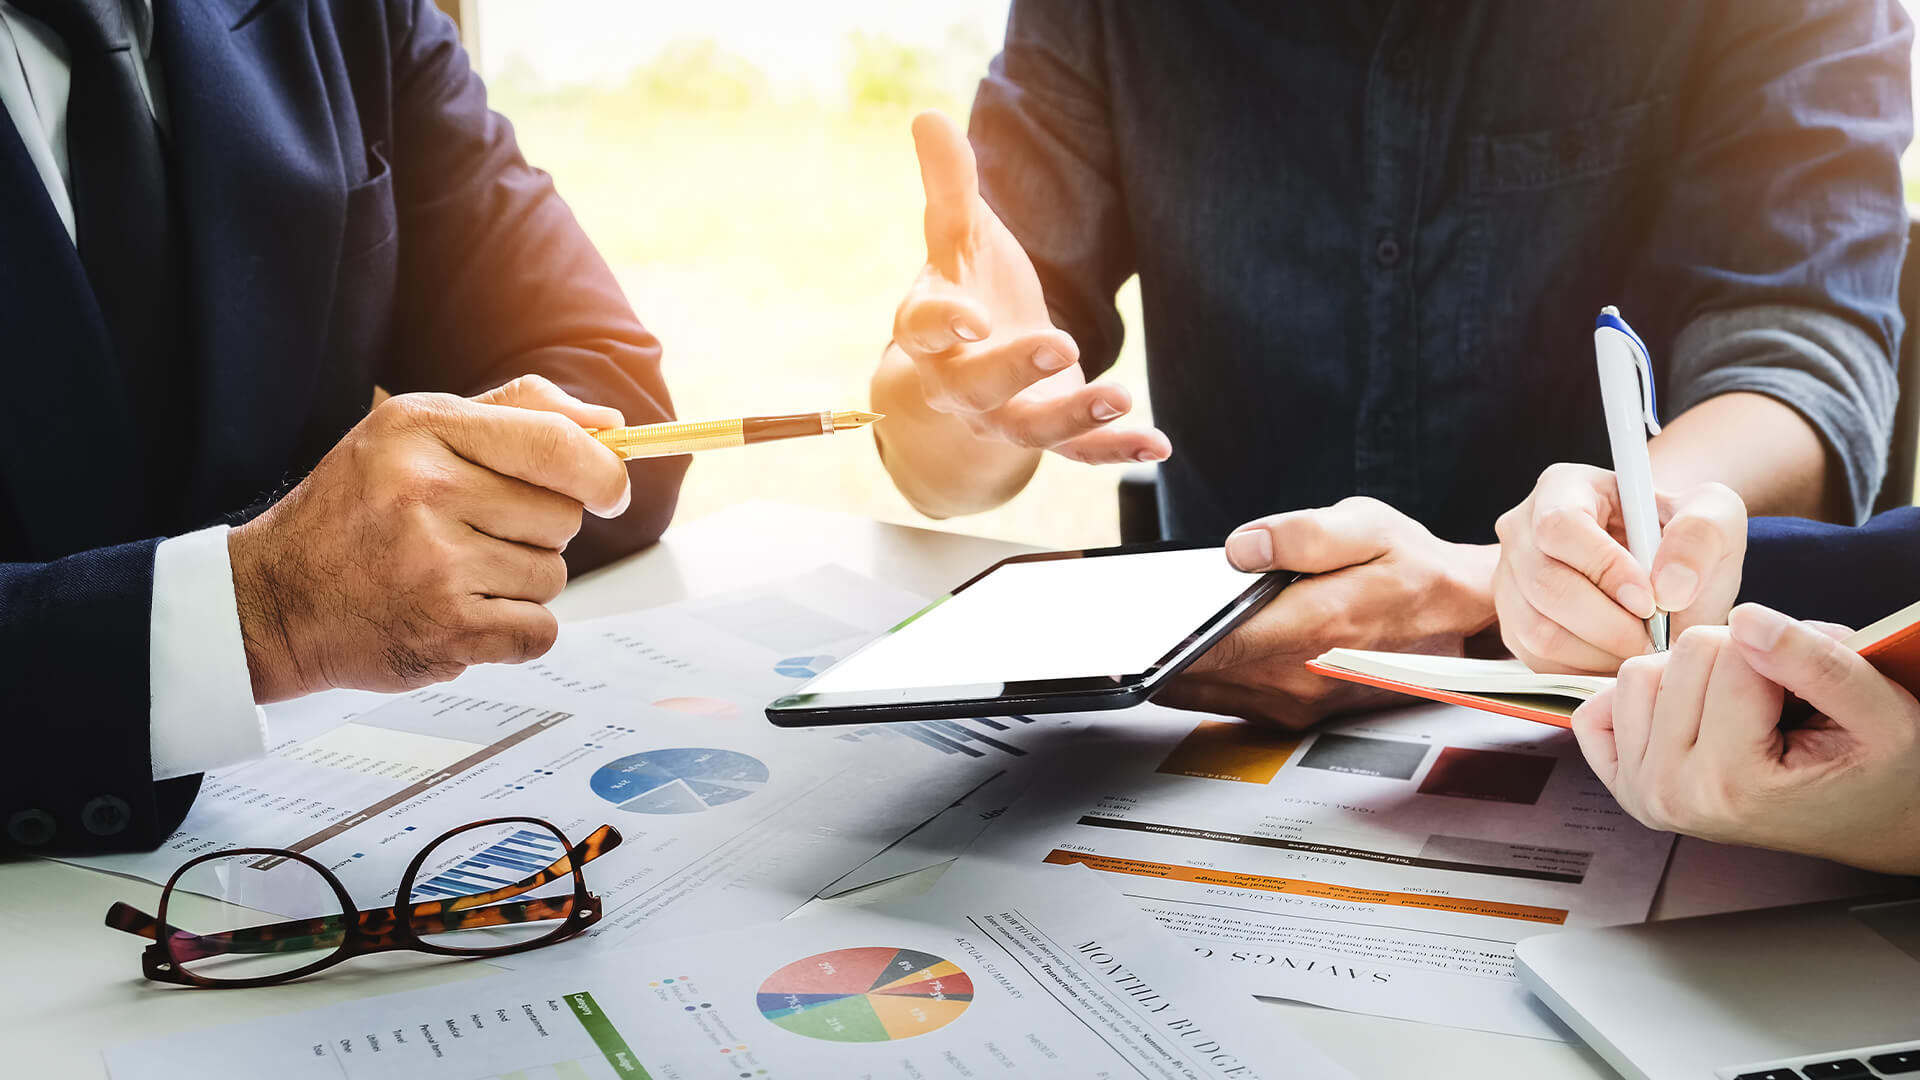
<point x="427" y="540"/>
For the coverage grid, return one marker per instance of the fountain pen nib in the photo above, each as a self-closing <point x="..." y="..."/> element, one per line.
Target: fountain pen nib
<point x="845" y="421"/>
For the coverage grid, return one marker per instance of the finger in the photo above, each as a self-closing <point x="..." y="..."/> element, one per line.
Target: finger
<point x="542" y="448"/>
<point x="539" y="392"/>
<point x="513" y="510"/>
<point x="1682" y="696"/>
<point x="1740" y="725"/>
<point x="1593" y="730"/>
<point x="1575" y="603"/>
<point x="950" y="177"/>
<point x="1704" y="542"/>
<point x="1348" y="533"/>
<point x="1045" y="422"/>
<point x="507" y="632"/>
<point x="936" y="318"/>
<point x="1832" y="630"/>
<point x="1634" y="695"/>
<point x="509" y="571"/>
<point x="1113" y="446"/>
<point x="1544" y="644"/>
<point x="986" y="377"/>
<point x="1823" y="672"/>
<point x="1570" y="509"/>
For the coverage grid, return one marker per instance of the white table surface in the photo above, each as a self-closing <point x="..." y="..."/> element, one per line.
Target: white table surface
<point x="69" y="986"/>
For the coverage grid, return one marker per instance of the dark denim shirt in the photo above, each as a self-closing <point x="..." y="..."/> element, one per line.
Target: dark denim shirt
<point x="1372" y="236"/>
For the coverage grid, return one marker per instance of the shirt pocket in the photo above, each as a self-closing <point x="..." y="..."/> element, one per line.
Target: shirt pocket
<point x="1556" y="218"/>
<point x="371" y="220"/>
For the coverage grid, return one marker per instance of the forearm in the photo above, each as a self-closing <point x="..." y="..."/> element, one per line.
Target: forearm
<point x="935" y="460"/>
<point x="1761" y="448"/>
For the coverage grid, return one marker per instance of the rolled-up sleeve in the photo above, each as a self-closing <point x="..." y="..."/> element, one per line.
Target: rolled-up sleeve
<point x="1782" y="230"/>
<point x="1042" y="132"/>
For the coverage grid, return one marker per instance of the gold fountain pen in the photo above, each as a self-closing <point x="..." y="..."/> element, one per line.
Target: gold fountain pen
<point x="691" y="436"/>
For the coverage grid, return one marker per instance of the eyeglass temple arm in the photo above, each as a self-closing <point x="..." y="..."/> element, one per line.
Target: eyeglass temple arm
<point x="464" y="912"/>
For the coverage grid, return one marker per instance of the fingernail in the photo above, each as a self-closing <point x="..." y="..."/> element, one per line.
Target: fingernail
<point x="1757" y="627"/>
<point x="962" y="331"/>
<point x="1250" y="550"/>
<point x="1050" y="361"/>
<point x="1637" y="600"/>
<point x="1103" y="412"/>
<point x="1673" y="590"/>
<point x="1147" y="456"/>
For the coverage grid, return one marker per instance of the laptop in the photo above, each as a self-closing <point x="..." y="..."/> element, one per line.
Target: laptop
<point x="1825" y="991"/>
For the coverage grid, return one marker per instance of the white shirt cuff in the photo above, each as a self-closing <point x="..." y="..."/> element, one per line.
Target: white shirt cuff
<point x="203" y="716"/>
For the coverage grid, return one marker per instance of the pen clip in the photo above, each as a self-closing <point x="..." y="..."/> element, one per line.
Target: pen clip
<point x="1643" y="365"/>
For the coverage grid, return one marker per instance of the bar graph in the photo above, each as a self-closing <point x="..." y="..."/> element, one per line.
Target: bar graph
<point x="966" y="738"/>
<point x="509" y="859"/>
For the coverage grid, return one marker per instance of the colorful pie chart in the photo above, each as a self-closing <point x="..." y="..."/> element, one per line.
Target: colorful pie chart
<point x="866" y="995"/>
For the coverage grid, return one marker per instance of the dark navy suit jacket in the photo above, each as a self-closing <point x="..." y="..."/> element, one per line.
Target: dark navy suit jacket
<point x="1840" y="574"/>
<point x="354" y="216"/>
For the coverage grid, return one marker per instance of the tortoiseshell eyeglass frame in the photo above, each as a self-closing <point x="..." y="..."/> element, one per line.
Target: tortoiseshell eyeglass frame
<point x="356" y="933"/>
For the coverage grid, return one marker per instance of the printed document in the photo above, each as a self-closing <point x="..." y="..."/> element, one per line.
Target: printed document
<point x="1383" y="865"/>
<point x="650" y="721"/>
<point x="988" y="976"/>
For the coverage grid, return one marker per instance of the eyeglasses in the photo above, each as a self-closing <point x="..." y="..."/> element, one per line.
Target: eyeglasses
<point x="493" y="887"/>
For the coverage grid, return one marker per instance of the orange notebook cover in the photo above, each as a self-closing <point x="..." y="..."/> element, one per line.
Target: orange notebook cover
<point x="1891" y="645"/>
<point x="1520" y="705"/>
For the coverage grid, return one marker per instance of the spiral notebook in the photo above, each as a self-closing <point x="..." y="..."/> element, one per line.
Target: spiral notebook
<point x="1508" y="687"/>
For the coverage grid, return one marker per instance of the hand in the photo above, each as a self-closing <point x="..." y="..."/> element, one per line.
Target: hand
<point x="1383" y="582"/>
<point x="427" y="540"/>
<point x="1690" y="740"/>
<point x="977" y="331"/>
<point x="1571" y="598"/>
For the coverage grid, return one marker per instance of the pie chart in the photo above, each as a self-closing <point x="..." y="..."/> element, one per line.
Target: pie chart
<point x="802" y="667"/>
<point x="866" y="995"/>
<point x="680" y="780"/>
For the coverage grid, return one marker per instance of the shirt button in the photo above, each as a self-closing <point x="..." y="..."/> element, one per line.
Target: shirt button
<point x="1387" y="250"/>
<point x="1402" y="61"/>
<point x="106" y="815"/>
<point x="30" y="828"/>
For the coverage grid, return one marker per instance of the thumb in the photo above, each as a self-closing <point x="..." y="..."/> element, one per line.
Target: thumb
<point x="950" y="177"/>
<point x="540" y="394"/>
<point x="1347" y="533"/>
<point x="1816" y="667"/>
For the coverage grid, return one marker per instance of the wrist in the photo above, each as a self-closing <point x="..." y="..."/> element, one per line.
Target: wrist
<point x="267" y="620"/>
<point x="1468" y="599"/>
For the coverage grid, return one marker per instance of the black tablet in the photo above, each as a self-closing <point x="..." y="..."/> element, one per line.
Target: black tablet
<point x="1063" y="631"/>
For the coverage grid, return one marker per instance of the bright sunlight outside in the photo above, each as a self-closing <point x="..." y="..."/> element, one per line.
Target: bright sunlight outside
<point x="747" y="169"/>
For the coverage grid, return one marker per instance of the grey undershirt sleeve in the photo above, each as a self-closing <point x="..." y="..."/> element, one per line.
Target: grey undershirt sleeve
<point x="1823" y="366"/>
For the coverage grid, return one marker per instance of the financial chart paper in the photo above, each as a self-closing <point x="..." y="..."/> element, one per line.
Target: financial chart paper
<point x="1384" y="865"/>
<point x="649" y="721"/>
<point x="988" y="976"/>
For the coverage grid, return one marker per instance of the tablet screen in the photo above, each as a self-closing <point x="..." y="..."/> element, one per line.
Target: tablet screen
<point x="1052" y="619"/>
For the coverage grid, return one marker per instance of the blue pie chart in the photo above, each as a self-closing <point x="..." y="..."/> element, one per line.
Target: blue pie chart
<point x="802" y="667"/>
<point x="680" y="780"/>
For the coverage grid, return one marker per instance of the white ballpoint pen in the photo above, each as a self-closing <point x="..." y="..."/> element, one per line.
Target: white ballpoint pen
<point x="1626" y="392"/>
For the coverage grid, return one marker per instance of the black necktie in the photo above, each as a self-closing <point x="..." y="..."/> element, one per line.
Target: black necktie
<point x="124" y="223"/>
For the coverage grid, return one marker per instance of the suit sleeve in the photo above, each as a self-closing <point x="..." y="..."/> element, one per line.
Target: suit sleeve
<point x="497" y="279"/>
<point x="77" y="776"/>
<point x="1835" y="573"/>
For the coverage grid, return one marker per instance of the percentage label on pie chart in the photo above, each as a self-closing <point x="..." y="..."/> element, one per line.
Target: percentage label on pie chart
<point x="680" y="780"/>
<point x="866" y="995"/>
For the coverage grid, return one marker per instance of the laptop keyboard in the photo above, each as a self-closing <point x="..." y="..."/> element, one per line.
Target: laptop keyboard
<point x="1871" y="1063"/>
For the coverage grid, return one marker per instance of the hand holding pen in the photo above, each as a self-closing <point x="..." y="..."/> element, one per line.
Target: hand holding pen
<point x="1597" y="566"/>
